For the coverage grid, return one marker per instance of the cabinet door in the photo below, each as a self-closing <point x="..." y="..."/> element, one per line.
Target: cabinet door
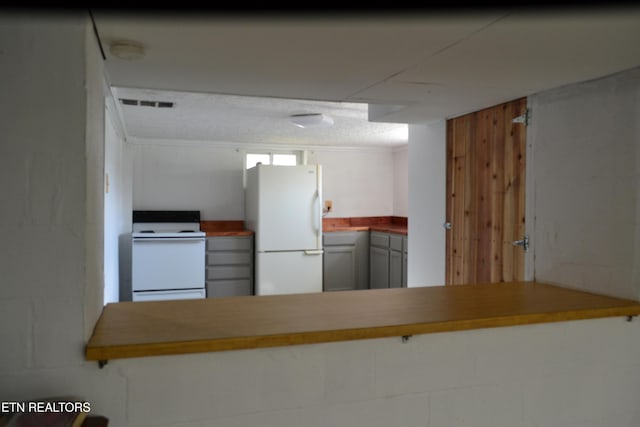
<point x="340" y="268"/>
<point x="405" y="264"/>
<point x="395" y="269"/>
<point x="379" y="239"/>
<point x="362" y="259"/>
<point x="346" y="260"/>
<point x="379" y="267"/>
<point x="404" y="270"/>
<point x="229" y="288"/>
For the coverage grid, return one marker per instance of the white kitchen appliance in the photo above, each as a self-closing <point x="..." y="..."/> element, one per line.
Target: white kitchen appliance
<point x="283" y="206"/>
<point x="167" y="256"/>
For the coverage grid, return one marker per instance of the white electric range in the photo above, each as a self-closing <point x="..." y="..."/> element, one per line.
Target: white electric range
<point x="167" y="256"/>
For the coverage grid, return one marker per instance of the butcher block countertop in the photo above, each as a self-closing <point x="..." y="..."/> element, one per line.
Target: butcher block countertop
<point x="224" y="228"/>
<point x="386" y="224"/>
<point x="154" y="328"/>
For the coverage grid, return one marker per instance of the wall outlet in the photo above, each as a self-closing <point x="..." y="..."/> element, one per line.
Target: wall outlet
<point x="328" y="205"/>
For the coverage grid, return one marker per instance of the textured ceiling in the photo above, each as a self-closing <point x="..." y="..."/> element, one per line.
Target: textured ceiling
<point x="252" y="120"/>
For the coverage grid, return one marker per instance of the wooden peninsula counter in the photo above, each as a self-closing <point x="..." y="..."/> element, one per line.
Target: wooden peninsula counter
<point x="140" y="329"/>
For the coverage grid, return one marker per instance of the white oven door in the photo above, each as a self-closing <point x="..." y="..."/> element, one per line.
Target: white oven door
<point x="161" y="264"/>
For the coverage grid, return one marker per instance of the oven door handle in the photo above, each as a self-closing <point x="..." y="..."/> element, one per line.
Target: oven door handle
<point x="168" y="239"/>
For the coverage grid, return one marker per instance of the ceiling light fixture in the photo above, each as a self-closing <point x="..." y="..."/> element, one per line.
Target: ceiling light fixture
<point x="127" y="50"/>
<point x="311" y="120"/>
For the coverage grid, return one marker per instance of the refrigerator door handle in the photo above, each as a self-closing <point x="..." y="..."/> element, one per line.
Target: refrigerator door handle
<point x="319" y="206"/>
<point x="318" y="213"/>
<point x="314" y="252"/>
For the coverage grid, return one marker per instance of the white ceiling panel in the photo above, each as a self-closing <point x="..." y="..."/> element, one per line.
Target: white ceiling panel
<point x="534" y="52"/>
<point x="328" y="58"/>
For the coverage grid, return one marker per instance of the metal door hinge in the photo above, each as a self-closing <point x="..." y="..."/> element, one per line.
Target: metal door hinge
<point x="525" y="118"/>
<point x="524" y="243"/>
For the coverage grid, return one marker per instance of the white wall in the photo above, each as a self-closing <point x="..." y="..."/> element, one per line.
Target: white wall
<point x="401" y="181"/>
<point x="360" y="182"/>
<point x="117" y="207"/>
<point x="208" y="177"/>
<point x="583" y="373"/>
<point x="586" y="144"/>
<point x="199" y="177"/>
<point x="427" y="204"/>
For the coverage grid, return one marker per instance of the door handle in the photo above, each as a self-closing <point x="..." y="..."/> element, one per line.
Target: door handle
<point x="524" y="243"/>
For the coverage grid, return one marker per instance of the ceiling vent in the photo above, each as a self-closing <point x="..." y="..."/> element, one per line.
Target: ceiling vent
<point x="144" y="103"/>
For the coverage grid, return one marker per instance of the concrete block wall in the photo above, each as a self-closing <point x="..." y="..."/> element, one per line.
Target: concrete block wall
<point x="586" y="146"/>
<point x="583" y="373"/>
<point x="51" y="81"/>
<point x="42" y="177"/>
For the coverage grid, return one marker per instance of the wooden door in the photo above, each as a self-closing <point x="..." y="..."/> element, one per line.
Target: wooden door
<point x="486" y="195"/>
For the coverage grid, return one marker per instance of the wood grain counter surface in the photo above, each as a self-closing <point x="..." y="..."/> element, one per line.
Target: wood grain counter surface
<point x="139" y="329"/>
<point x="386" y="224"/>
<point x="224" y="228"/>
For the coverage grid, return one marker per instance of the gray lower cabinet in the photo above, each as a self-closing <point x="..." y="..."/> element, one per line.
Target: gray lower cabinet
<point x="387" y="260"/>
<point x="405" y="257"/>
<point x="345" y="260"/>
<point x="229" y="266"/>
<point x="379" y="267"/>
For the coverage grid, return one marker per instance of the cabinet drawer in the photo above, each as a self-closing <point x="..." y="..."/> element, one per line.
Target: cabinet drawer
<point x="229" y="288"/>
<point x="339" y="238"/>
<point x="379" y="239"/>
<point x="228" y="258"/>
<point x="228" y="243"/>
<point x="395" y="242"/>
<point x="228" y="272"/>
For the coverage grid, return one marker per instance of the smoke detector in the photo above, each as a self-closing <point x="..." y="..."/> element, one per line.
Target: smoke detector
<point x="311" y="120"/>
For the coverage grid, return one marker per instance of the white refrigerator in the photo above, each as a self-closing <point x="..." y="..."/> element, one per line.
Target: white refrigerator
<point x="283" y="206"/>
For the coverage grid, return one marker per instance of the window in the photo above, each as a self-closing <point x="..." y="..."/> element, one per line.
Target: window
<point x="285" y="158"/>
<point x="253" y="159"/>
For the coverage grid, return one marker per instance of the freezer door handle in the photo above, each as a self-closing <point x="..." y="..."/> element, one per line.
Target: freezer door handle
<point x="319" y="206"/>
<point x="314" y="252"/>
<point x="318" y="216"/>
